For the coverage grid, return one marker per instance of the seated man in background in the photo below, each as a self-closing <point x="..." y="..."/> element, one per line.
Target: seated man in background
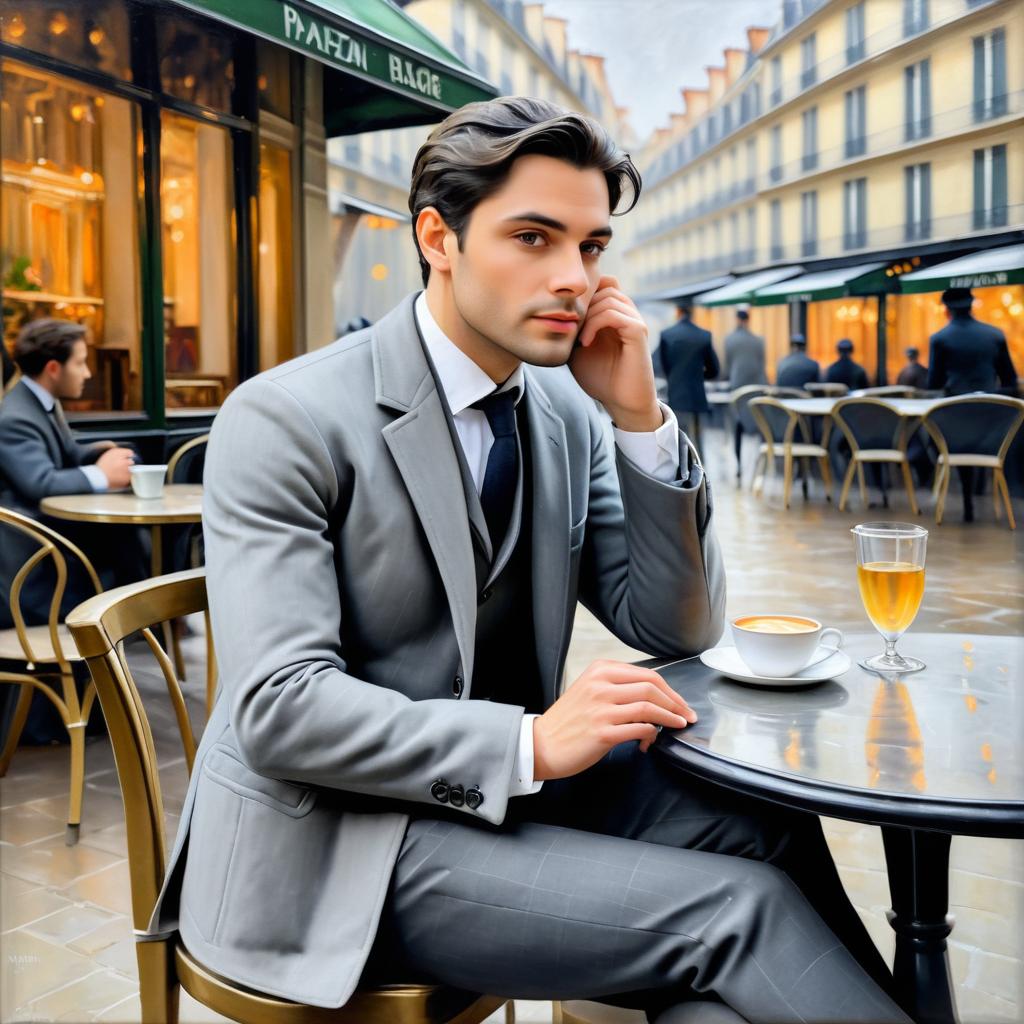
<point x="913" y="375"/>
<point x="797" y="369"/>
<point x="39" y="457"/>
<point x="845" y="371"/>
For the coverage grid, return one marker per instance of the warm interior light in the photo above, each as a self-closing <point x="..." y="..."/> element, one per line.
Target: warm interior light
<point x="77" y="111"/>
<point x="86" y="178"/>
<point x="177" y="235"/>
<point x="58" y="24"/>
<point x="37" y="119"/>
<point x="96" y="36"/>
<point x="16" y="27"/>
<point x="176" y="212"/>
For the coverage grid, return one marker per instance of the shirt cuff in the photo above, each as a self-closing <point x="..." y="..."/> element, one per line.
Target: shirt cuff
<point x="522" y="771"/>
<point x="97" y="478"/>
<point x="655" y="452"/>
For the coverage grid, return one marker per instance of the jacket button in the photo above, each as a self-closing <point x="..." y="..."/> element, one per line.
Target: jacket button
<point x="457" y="686"/>
<point x="474" y="798"/>
<point x="486" y="594"/>
<point x="439" y="791"/>
<point x="456" y="795"/>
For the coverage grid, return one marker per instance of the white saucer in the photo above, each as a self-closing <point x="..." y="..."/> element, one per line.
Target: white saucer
<point x="727" y="661"/>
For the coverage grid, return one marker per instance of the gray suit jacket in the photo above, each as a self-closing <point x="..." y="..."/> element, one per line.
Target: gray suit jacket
<point x="343" y="597"/>
<point x="744" y="358"/>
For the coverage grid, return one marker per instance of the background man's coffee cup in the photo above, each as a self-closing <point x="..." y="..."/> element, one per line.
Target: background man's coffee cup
<point x="781" y="645"/>
<point x="148" y="481"/>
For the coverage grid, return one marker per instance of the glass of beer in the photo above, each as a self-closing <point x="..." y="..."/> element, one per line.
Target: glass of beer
<point x="890" y="573"/>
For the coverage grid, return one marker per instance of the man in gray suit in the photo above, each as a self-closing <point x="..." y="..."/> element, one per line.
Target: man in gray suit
<point x="398" y="527"/>
<point x="744" y="364"/>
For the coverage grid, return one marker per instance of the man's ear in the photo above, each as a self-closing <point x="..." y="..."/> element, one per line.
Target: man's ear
<point x="434" y="238"/>
<point x="53" y="369"/>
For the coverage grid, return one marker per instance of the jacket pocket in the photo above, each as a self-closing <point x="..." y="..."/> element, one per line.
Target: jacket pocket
<point x="223" y="766"/>
<point x="576" y="533"/>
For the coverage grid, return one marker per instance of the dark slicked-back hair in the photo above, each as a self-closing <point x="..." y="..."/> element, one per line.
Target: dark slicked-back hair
<point x="469" y="155"/>
<point x="41" y="340"/>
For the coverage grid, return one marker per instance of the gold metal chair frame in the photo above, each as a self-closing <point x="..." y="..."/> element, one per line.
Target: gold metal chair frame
<point x="100" y="627"/>
<point x="48" y="668"/>
<point x="859" y="456"/>
<point x="996" y="463"/>
<point x="179" y="454"/>
<point x="788" y="449"/>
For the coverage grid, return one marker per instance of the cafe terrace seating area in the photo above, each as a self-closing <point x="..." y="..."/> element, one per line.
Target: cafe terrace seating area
<point x="66" y="910"/>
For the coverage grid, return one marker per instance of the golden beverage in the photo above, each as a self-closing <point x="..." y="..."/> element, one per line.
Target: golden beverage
<point x="891" y="592"/>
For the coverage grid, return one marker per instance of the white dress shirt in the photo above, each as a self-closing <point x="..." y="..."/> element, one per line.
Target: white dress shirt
<point x="463" y="383"/>
<point x="96" y="477"/>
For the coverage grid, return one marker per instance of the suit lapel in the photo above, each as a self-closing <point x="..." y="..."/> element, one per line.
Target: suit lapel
<point x="423" y="448"/>
<point x="551" y="521"/>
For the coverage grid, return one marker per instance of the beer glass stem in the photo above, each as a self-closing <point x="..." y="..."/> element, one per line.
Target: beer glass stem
<point x="890" y="650"/>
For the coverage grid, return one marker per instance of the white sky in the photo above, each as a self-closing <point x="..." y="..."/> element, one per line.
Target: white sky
<point x="653" y="48"/>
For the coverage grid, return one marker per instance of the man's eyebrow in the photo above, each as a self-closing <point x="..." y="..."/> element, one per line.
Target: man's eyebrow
<point x="557" y="225"/>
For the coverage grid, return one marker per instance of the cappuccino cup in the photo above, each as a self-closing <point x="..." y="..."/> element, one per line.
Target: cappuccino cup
<point x="782" y="645"/>
<point x="148" y="481"/>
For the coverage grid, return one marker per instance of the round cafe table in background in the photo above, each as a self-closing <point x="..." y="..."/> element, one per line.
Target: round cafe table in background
<point x="179" y="503"/>
<point x="926" y="757"/>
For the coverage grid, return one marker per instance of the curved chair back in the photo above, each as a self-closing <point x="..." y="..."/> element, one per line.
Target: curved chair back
<point x="186" y="465"/>
<point x="777" y="392"/>
<point x="869" y="423"/>
<point x="975" y="425"/>
<point x="826" y="389"/>
<point x="776" y="423"/>
<point x="886" y="391"/>
<point x="43" y="543"/>
<point x="739" y="404"/>
<point x="99" y="627"/>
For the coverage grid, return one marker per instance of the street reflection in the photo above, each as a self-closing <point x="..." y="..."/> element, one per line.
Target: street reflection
<point x="894" y="750"/>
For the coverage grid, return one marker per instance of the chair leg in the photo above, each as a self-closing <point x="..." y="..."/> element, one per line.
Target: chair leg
<point x="179" y="658"/>
<point x="805" y="465"/>
<point x="757" y="484"/>
<point x="943" y="491"/>
<point x="158" y="984"/>
<point x="787" y="477"/>
<point x="211" y="666"/>
<point x="76" y="733"/>
<point x="909" y="484"/>
<point x="863" y="486"/>
<point x="847" y="481"/>
<point x="510" y="1012"/>
<point x="940" y="472"/>
<point x="826" y="476"/>
<point x="999" y="483"/>
<point x="18" y="721"/>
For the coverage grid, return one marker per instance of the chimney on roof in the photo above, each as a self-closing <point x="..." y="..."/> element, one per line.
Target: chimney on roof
<point x="696" y="102"/>
<point x="757" y="37"/>
<point x="716" y="83"/>
<point x="735" y="64"/>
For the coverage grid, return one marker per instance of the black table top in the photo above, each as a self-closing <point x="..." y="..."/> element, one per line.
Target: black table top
<point x="940" y="749"/>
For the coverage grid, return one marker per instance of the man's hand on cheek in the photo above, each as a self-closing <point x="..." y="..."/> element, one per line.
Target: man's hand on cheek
<point x="612" y="702"/>
<point x="612" y="361"/>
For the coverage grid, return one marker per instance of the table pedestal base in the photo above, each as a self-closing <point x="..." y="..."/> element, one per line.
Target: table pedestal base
<point x="918" y="864"/>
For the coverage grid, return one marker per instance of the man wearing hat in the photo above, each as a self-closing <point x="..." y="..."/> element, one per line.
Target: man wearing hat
<point x="844" y="370"/>
<point x="967" y="355"/>
<point x="688" y="359"/>
<point x="913" y="375"/>
<point x="797" y="369"/>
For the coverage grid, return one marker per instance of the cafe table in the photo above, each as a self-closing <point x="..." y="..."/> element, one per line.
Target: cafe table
<point x="179" y="503"/>
<point x="925" y="756"/>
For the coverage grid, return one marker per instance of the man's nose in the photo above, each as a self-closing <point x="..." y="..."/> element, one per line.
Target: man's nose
<point x="570" y="275"/>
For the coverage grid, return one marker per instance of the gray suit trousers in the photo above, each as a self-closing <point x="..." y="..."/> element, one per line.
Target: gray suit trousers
<point x="635" y="884"/>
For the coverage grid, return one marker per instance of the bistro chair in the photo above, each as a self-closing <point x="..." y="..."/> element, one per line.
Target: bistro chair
<point x="100" y="627"/>
<point x="974" y="430"/>
<point x="876" y="434"/>
<point x="825" y="390"/>
<point x="779" y="426"/>
<point x="886" y="391"/>
<point x="186" y="464"/>
<point x="46" y="655"/>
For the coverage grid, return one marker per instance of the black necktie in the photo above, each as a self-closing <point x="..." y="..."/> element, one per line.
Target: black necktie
<point x="63" y="430"/>
<point x="499" y="488"/>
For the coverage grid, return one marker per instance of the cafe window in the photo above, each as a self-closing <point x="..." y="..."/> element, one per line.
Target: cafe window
<point x="276" y="262"/>
<point x="93" y="35"/>
<point x="273" y="79"/>
<point x="198" y="245"/>
<point x="197" y="61"/>
<point x="69" y="223"/>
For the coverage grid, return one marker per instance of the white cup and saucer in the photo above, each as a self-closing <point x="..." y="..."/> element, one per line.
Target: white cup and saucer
<point x="148" y="481"/>
<point x="780" y="651"/>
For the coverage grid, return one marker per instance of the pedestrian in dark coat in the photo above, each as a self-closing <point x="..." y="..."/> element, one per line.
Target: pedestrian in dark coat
<point x="797" y="369"/>
<point x="688" y="359"/>
<point x="844" y="370"/>
<point x="913" y="375"/>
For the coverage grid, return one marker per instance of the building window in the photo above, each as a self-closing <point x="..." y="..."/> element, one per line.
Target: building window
<point x="915" y="17"/>
<point x="734" y="233"/>
<point x="855" y="33"/>
<point x="990" y="98"/>
<point x="918" y="187"/>
<point x="810" y="132"/>
<point x="775" y="219"/>
<point x="775" y="144"/>
<point x="856" y="122"/>
<point x="274" y="79"/>
<point x="197" y="61"/>
<point x="776" y="94"/>
<point x="276" y="262"/>
<point x="197" y="224"/>
<point x="751" y="183"/>
<point x="917" y="90"/>
<point x="808" y="223"/>
<point x="68" y="222"/>
<point x="790" y="13"/>
<point x="751" y="234"/>
<point x="459" y="27"/>
<point x="990" y="200"/>
<point x="855" y="214"/>
<point x="808" y="61"/>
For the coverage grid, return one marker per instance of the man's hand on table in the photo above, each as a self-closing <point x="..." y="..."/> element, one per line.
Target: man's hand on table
<point x="116" y="464"/>
<point x="610" y="703"/>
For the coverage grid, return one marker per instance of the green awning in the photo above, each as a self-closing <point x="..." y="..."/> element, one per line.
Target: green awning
<point x="987" y="269"/>
<point x="686" y="291"/>
<point x="866" y="279"/>
<point x="382" y="69"/>
<point x="743" y="289"/>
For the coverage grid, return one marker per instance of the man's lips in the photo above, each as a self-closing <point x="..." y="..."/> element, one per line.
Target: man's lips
<point x="559" y="321"/>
